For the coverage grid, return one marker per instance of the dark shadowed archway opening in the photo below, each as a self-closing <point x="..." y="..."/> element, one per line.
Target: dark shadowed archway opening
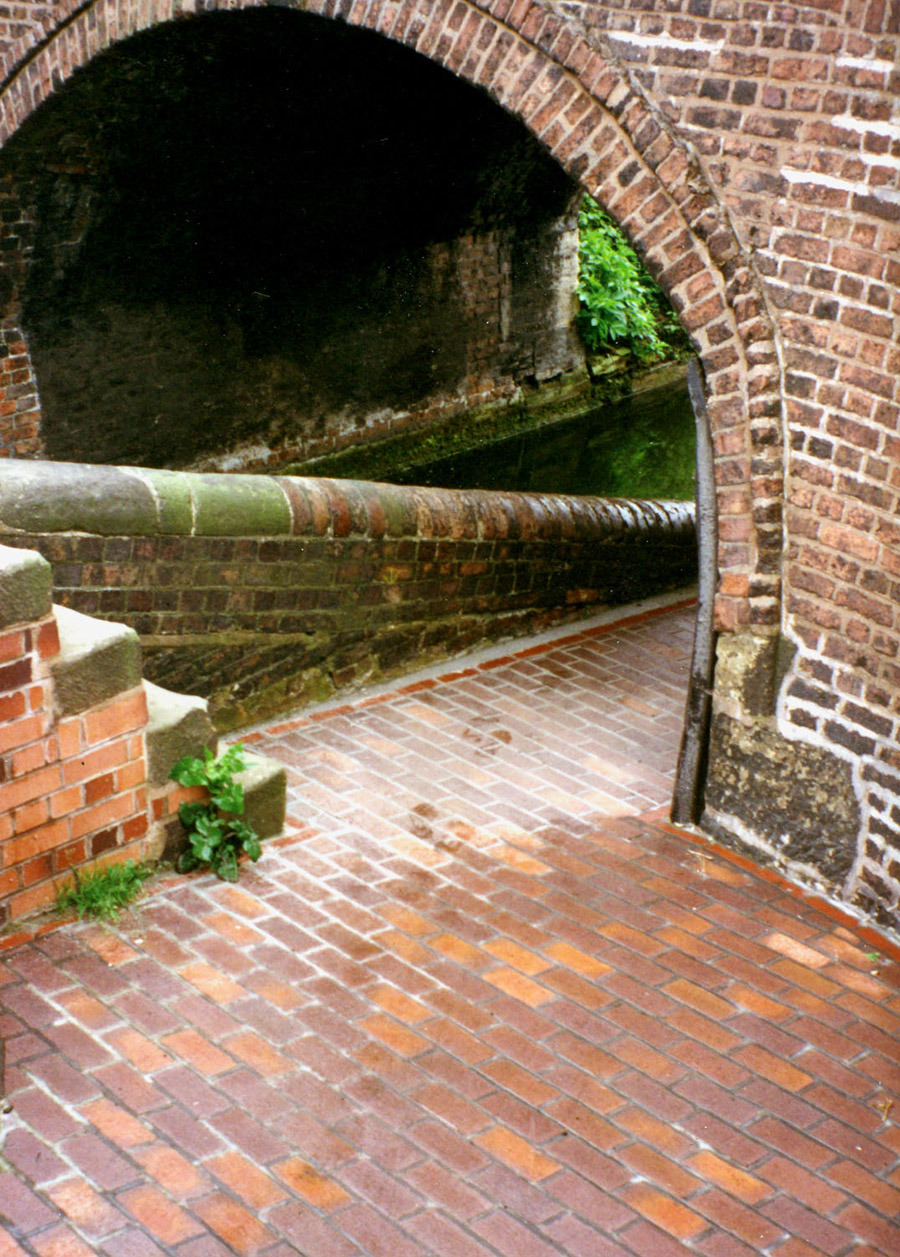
<point x="269" y="228"/>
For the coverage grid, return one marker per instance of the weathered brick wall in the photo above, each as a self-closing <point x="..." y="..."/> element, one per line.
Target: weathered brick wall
<point x="20" y="414"/>
<point x="260" y="593"/>
<point x="750" y="149"/>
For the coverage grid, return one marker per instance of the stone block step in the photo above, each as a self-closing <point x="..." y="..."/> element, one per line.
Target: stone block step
<point x="177" y="725"/>
<point x="97" y="660"/>
<point x="265" y="794"/>
<point x="25" y="587"/>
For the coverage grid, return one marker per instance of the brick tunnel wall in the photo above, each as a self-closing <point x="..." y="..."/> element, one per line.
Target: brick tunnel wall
<point x="262" y="307"/>
<point x="751" y="151"/>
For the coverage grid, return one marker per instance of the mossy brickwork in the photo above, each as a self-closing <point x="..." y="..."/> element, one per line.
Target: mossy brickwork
<point x="793" y="785"/>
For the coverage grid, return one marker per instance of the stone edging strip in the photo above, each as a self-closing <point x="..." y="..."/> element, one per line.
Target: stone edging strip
<point x="47" y="497"/>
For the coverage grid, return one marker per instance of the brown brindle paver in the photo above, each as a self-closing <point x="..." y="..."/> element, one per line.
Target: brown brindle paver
<point x="479" y="1001"/>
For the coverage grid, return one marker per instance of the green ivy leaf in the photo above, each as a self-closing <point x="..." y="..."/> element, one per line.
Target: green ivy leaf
<point x="232" y="760"/>
<point x="248" y="839"/>
<point x="189" y="813"/>
<point x="216" y="835"/>
<point x="620" y="304"/>
<point x="229" y="796"/>
<point x="189" y="771"/>
<point x="227" y="866"/>
<point x="210" y="827"/>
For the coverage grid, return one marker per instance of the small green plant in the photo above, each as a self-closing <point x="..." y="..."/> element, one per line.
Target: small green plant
<point x="103" y="893"/>
<point x="216" y="832"/>
<point x="621" y="306"/>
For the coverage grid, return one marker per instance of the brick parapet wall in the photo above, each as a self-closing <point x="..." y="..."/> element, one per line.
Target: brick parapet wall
<point x="258" y="592"/>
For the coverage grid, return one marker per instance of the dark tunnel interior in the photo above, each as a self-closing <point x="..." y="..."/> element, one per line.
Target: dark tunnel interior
<point x="245" y="223"/>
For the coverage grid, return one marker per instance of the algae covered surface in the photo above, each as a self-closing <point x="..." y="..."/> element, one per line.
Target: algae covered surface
<point x="620" y="438"/>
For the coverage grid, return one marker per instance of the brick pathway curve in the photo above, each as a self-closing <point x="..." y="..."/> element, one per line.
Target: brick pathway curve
<point x="471" y="1005"/>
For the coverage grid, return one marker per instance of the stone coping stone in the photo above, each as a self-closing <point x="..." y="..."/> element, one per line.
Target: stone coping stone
<point x="26" y="587"/>
<point x="47" y="497"/>
<point x="97" y="660"/>
<point x="177" y="725"/>
<point x="75" y="497"/>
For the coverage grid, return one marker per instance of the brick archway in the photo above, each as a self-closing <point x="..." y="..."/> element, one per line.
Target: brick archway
<point x="605" y="135"/>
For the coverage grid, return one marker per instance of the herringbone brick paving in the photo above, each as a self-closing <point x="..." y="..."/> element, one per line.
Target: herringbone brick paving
<point x="480" y="1001"/>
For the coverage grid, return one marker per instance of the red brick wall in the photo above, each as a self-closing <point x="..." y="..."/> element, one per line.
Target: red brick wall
<point x="794" y="116"/>
<point x="74" y="789"/>
<point x="71" y="789"/>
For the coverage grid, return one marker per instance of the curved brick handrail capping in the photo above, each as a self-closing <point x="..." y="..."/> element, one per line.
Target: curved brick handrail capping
<point x="261" y="593"/>
<point x="140" y="502"/>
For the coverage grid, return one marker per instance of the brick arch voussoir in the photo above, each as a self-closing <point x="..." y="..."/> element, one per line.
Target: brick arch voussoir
<point x="603" y="132"/>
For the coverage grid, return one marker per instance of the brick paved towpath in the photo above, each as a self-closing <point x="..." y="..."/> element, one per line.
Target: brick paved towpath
<point x="479" y="1001"/>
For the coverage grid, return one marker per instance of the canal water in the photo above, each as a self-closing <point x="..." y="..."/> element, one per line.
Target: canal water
<point x="642" y="446"/>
